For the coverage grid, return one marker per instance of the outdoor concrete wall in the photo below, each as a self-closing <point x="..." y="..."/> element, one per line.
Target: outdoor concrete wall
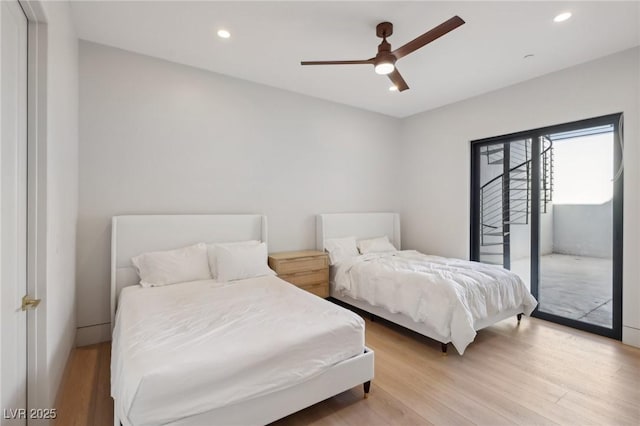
<point x="583" y="229"/>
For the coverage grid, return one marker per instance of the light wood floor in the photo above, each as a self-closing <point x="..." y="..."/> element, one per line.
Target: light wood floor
<point x="535" y="373"/>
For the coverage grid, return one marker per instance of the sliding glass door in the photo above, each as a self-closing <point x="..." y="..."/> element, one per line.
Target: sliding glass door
<point x="547" y="204"/>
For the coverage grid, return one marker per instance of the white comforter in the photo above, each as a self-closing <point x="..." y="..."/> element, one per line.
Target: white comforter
<point x="188" y="348"/>
<point x="449" y="295"/>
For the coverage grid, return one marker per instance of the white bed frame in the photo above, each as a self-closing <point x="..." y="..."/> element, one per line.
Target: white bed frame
<point x="132" y="235"/>
<point x="371" y="225"/>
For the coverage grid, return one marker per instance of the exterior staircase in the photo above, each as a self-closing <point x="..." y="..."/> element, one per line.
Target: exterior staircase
<point x="505" y="199"/>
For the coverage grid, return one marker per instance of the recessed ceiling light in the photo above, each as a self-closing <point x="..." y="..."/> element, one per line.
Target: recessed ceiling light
<point x="562" y="17"/>
<point x="393" y="88"/>
<point x="224" y="34"/>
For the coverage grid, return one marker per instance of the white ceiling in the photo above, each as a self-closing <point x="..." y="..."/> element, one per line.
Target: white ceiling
<point x="269" y="39"/>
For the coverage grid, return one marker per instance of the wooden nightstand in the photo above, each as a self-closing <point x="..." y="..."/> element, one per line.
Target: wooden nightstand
<point x="307" y="269"/>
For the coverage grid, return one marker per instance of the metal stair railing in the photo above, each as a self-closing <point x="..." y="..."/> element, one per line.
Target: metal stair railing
<point x="492" y="193"/>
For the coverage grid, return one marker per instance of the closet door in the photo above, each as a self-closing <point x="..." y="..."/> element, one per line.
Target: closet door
<point x="13" y="212"/>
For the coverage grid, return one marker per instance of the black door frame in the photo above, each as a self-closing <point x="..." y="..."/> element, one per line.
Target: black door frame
<point x="616" y="121"/>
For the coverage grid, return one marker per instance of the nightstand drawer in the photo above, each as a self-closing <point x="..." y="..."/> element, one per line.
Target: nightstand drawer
<point x="302" y="264"/>
<point x="307" y="278"/>
<point x="319" y="289"/>
<point x="306" y="269"/>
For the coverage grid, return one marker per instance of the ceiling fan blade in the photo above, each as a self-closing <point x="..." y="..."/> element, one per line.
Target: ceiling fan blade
<point x="428" y="37"/>
<point x="397" y="80"/>
<point x="364" y="61"/>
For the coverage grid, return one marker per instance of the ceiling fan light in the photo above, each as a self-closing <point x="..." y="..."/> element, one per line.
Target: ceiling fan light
<point x="384" y="68"/>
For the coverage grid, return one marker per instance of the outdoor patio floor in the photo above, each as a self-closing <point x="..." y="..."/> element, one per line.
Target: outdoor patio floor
<point x="574" y="287"/>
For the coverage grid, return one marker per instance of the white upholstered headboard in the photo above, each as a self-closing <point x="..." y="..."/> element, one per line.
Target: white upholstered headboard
<point x="359" y="225"/>
<point x="133" y="235"/>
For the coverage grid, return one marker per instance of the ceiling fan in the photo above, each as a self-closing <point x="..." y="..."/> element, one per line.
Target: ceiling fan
<point x="384" y="62"/>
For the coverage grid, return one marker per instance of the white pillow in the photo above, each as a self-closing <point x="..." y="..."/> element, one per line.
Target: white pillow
<point x="376" y="245"/>
<point x="237" y="262"/>
<point x="340" y="249"/>
<point x="213" y="260"/>
<point x="160" y="268"/>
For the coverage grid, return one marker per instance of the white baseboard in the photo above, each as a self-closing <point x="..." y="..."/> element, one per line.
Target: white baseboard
<point x="631" y="336"/>
<point x="93" y="334"/>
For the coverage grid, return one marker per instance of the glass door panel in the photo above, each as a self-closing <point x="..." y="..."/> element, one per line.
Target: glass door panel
<point x="505" y="205"/>
<point x="576" y="191"/>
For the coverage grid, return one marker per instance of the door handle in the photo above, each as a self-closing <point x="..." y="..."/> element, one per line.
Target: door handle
<point x="29" y="303"/>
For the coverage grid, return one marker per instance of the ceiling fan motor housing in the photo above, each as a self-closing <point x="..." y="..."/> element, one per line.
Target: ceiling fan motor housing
<point x="384" y="29"/>
<point x="384" y="55"/>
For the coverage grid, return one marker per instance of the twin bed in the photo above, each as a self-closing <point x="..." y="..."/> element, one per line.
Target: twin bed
<point x="251" y="351"/>
<point x="445" y="299"/>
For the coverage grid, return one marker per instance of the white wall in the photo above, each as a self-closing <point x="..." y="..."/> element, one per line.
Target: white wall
<point x="158" y="137"/>
<point x="56" y="195"/>
<point x="435" y="150"/>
